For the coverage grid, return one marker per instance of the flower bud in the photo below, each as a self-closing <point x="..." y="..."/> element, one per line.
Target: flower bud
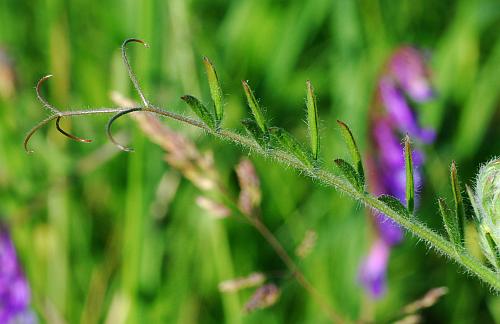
<point x="488" y="200"/>
<point x="487" y="208"/>
<point x="488" y="194"/>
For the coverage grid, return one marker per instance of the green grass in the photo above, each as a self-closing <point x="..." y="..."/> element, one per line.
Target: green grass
<point x="81" y="214"/>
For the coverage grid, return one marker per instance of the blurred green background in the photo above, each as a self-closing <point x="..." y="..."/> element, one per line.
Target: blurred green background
<point x="100" y="243"/>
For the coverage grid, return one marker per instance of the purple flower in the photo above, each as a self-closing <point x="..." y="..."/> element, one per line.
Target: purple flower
<point x="407" y="67"/>
<point x="372" y="272"/>
<point x="400" y="111"/>
<point x="404" y="78"/>
<point x="14" y="290"/>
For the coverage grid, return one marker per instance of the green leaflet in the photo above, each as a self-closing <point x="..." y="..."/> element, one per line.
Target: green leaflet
<point x="410" y="185"/>
<point x="450" y="224"/>
<point x="253" y="129"/>
<point x="312" y="120"/>
<point x="353" y="150"/>
<point x="349" y="173"/>
<point x="286" y="141"/>
<point x="394" y="204"/>
<point x="254" y="106"/>
<point x="457" y="197"/>
<point x="215" y="91"/>
<point x="200" y="110"/>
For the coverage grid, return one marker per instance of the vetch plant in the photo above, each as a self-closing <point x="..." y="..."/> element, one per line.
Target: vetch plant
<point x="286" y="150"/>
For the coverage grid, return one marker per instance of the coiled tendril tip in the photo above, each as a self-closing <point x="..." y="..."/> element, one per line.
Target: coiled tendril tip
<point x="110" y="135"/>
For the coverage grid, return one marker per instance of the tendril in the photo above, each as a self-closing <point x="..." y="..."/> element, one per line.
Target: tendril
<point x="73" y="137"/>
<point x="44" y="102"/>
<point x="33" y="131"/>
<point x="131" y="73"/>
<point x="57" y="115"/>
<point x="110" y="122"/>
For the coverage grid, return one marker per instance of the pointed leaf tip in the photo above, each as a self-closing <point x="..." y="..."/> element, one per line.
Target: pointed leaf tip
<point x="353" y="150"/>
<point x="200" y="110"/>
<point x="312" y="119"/>
<point x="215" y="90"/>
<point x="458" y="200"/>
<point x="410" y="185"/>
<point x="254" y="107"/>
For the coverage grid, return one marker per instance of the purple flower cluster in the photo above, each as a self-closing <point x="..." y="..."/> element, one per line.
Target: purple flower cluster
<point x="405" y="77"/>
<point x="14" y="290"/>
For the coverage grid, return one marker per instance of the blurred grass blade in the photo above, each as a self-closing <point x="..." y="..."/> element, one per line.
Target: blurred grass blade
<point x="312" y="120"/>
<point x="254" y="106"/>
<point x="480" y="105"/>
<point x="215" y="91"/>
<point x="260" y="137"/>
<point x="457" y="197"/>
<point x="450" y="223"/>
<point x="353" y="150"/>
<point x="289" y="143"/>
<point x="349" y="173"/>
<point x="410" y="185"/>
<point x="200" y="110"/>
<point x="394" y="204"/>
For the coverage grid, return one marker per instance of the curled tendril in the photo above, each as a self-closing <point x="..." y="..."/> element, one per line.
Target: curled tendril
<point x="110" y="122"/>
<point x="73" y="137"/>
<point x="44" y="102"/>
<point x="33" y="131"/>
<point x="131" y="73"/>
<point x="56" y="114"/>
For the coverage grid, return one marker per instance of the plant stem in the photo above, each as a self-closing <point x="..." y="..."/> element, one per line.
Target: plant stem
<point x="297" y="274"/>
<point x="284" y="256"/>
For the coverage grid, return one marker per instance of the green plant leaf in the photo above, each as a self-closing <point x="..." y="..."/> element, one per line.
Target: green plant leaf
<point x="450" y="223"/>
<point x="349" y="173"/>
<point x="457" y="197"/>
<point x="410" y="185"/>
<point x="200" y="110"/>
<point x="394" y="204"/>
<point x="353" y="150"/>
<point x="254" y="106"/>
<point x="286" y="141"/>
<point x="215" y="90"/>
<point x="253" y="129"/>
<point x="312" y="120"/>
